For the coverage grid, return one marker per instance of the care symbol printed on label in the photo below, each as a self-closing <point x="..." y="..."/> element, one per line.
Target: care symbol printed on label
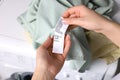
<point x="58" y="43"/>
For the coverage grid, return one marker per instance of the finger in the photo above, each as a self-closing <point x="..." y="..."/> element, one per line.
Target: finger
<point x="51" y="44"/>
<point x="68" y="12"/>
<point x="73" y="21"/>
<point x="73" y="16"/>
<point x="67" y="45"/>
<point x="47" y="43"/>
<point x="72" y="11"/>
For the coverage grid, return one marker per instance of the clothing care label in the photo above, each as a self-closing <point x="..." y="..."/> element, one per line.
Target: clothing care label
<point x="59" y="35"/>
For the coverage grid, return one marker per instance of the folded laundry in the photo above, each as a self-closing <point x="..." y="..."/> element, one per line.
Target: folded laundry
<point x="42" y="15"/>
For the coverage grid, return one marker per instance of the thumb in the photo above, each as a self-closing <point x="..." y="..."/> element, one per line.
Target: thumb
<point x="47" y="43"/>
<point x="67" y="45"/>
<point x="72" y="21"/>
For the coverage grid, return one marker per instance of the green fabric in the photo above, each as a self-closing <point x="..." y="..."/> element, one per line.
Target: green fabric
<point x="41" y="17"/>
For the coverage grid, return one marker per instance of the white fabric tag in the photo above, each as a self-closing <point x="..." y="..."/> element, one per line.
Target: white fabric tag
<point x="58" y="43"/>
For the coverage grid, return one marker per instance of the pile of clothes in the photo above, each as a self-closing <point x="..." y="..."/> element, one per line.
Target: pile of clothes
<point x="42" y="15"/>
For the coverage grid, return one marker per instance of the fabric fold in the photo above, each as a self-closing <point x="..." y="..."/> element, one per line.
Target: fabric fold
<point x="42" y="15"/>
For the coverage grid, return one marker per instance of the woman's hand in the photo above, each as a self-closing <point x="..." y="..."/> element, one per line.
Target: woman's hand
<point x="49" y="63"/>
<point x="85" y="17"/>
<point x="89" y="19"/>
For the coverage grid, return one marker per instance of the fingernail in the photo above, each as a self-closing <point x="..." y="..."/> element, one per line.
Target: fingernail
<point x="62" y="18"/>
<point x="64" y="21"/>
<point x="49" y="37"/>
<point x="68" y="37"/>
